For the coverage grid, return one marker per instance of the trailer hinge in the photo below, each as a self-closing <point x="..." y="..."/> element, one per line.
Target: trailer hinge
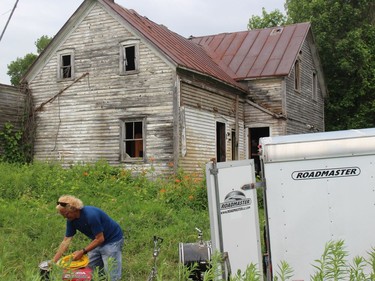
<point x="214" y="171"/>
<point x="252" y="186"/>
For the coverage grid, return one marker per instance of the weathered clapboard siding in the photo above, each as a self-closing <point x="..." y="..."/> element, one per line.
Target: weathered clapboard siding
<point x="268" y="94"/>
<point x="203" y="108"/>
<point x="255" y="118"/>
<point x="82" y="124"/>
<point x="11" y="105"/>
<point x="212" y="100"/>
<point x="304" y="113"/>
<point x="200" y="139"/>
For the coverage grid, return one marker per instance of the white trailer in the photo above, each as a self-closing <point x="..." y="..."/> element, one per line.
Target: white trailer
<point x="318" y="188"/>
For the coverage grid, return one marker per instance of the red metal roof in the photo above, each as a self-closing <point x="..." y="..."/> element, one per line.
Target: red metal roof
<point x="256" y="53"/>
<point x="185" y="53"/>
<point x="228" y="57"/>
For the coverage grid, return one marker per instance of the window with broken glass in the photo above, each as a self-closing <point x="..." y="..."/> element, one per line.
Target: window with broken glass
<point x="65" y="65"/>
<point x="129" y="53"/>
<point x="132" y="139"/>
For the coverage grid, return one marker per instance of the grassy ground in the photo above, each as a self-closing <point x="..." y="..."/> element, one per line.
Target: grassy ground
<point x="171" y="208"/>
<point x="31" y="230"/>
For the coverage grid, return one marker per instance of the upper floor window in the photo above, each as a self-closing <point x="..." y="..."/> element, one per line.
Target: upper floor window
<point x="65" y="65"/>
<point x="297" y="75"/>
<point x="132" y="139"/>
<point x="129" y="57"/>
<point x="314" y="86"/>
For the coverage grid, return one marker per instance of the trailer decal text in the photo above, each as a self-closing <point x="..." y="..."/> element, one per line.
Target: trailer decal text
<point x="234" y="201"/>
<point x="326" y="173"/>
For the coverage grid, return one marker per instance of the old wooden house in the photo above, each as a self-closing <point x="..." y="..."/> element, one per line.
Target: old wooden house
<point x="114" y="85"/>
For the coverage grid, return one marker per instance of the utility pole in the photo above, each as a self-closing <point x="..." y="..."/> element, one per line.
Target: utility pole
<point x="10" y="16"/>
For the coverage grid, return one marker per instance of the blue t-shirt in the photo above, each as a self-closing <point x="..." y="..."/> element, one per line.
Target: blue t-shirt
<point x="92" y="221"/>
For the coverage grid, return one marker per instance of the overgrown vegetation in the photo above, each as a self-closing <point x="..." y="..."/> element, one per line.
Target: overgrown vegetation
<point x="11" y="144"/>
<point x="31" y="229"/>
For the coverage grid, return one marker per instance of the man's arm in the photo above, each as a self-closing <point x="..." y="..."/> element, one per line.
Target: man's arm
<point x="99" y="239"/>
<point x="62" y="248"/>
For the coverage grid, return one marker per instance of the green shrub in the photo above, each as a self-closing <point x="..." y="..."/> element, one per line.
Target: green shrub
<point x="11" y="143"/>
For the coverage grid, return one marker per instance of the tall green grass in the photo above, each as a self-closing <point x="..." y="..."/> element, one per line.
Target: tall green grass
<point x="31" y="230"/>
<point x="171" y="208"/>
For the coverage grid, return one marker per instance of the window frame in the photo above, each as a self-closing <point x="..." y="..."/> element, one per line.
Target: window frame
<point x="314" y="86"/>
<point x="122" y="66"/>
<point x="60" y="65"/>
<point x="297" y="75"/>
<point x="124" y="156"/>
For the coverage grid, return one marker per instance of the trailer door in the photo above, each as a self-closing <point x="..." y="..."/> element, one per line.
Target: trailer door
<point x="233" y="209"/>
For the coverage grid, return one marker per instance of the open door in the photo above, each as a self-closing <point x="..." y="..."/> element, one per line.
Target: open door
<point x="254" y="135"/>
<point x="233" y="209"/>
<point x="220" y="142"/>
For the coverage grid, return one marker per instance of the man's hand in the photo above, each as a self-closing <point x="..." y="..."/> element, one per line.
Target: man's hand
<point x="62" y="248"/>
<point x="77" y="255"/>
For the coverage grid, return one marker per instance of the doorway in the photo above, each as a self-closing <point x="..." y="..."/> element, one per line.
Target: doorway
<point x="254" y="135"/>
<point x="220" y="142"/>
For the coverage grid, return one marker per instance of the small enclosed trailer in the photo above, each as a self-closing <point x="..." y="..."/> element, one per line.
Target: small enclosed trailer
<point x="318" y="188"/>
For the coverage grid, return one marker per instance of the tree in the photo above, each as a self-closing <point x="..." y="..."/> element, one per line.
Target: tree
<point x="42" y="43"/>
<point x="345" y="35"/>
<point x="17" y="68"/>
<point x="274" y="18"/>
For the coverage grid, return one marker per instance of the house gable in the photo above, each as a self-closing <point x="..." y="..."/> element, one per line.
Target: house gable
<point x="84" y="118"/>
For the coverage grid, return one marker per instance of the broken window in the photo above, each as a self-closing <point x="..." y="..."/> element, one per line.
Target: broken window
<point x="66" y="64"/>
<point x="129" y="57"/>
<point x="132" y="140"/>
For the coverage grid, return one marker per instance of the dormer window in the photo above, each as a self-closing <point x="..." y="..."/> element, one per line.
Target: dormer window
<point x="65" y="65"/>
<point x="129" y="57"/>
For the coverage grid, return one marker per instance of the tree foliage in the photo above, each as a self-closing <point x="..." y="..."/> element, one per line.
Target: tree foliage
<point x="274" y="18"/>
<point x="17" y="68"/>
<point x="345" y="35"/>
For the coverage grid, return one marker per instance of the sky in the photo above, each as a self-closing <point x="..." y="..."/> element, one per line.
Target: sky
<point x="34" y="18"/>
